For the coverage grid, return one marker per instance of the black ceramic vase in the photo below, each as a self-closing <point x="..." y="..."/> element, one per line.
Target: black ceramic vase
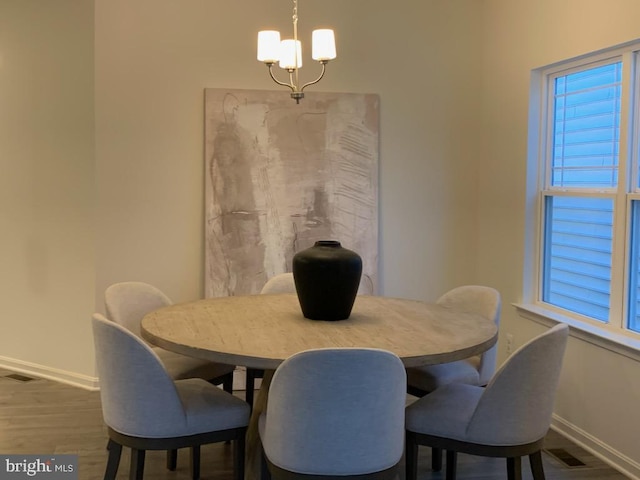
<point x="327" y="278"/>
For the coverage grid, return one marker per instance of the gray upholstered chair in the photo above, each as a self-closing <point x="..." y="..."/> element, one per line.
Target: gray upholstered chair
<point x="128" y="302"/>
<point x="476" y="370"/>
<point x="145" y="409"/>
<point x="281" y="283"/>
<point x="509" y="418"/>
<point x="335" y="412"/>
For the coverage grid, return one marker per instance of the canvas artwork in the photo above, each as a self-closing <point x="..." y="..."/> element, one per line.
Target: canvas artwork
<point x="280" y="176"/>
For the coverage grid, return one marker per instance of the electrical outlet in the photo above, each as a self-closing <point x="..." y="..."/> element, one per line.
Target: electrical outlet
<point x="509" y="343"/>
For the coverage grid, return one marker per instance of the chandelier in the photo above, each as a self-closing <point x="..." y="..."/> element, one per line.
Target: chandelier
<point x="288" y="53"/>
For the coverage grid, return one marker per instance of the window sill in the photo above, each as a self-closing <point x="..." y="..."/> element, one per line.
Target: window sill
<point x="618" y="343"/>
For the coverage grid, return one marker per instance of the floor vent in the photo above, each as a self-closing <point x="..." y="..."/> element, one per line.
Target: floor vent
<point x="19" y="378"/>
<point x="565" y="457"/>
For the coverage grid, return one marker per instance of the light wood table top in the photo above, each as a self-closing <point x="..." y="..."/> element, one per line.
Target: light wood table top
<point x="261" y="331"/>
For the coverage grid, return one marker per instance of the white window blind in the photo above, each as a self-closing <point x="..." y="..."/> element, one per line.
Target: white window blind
<point x="634" y="270"/>
<point x="584" y="157"/>
<point x="578" y="245"/>
<point x="586" y="123"/>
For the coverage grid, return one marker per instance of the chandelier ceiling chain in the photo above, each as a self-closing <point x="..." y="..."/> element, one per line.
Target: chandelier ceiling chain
<point x="288" y="53"/>
<point x="294" y="19"/>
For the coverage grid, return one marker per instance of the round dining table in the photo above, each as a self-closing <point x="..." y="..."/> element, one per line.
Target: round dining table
<point x="261" y="331"/>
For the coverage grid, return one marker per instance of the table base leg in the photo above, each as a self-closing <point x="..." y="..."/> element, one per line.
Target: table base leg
<point x="254" y="449"/>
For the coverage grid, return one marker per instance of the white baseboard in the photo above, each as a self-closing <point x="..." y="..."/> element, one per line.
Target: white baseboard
<point x="87" y="382"/>
<point x="625" y="465"/>
<point x="42" y="371"/>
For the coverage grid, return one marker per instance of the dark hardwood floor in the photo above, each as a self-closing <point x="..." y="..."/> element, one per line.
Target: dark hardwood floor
<point x="44" y="417"/>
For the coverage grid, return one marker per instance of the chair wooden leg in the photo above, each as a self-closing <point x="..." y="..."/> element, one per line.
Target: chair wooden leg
<point x="115" y="449"/>
<point x="265" y="474"/>
<point x="136" y="470"/>
<point x="227" y="383"/>
<point x="249" y="387"/>
<point x="172" y="459"/>
<point x="436" y="459"/>
<point x="227" y="386"/>
<point x="535" y="459"/>
<point x="514" y="468"/>
<point x="239" y="457"/>
<point x="452" y="464"/>
<point x="411" y="456"/>
<point x="195" y="462"/>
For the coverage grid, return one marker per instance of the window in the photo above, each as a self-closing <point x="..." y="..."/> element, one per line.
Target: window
<point x="588" y="154"/>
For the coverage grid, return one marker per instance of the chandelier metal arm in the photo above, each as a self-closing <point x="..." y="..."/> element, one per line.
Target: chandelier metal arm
<point x="324" y="64"/>
<point x="273" y="77"/>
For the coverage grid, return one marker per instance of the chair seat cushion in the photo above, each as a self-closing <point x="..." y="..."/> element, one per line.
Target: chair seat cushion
<point x="446" y="412"/>
<point x="181" y="366"/>
<point x="431" y="377"/>
<point x="209" y="408"/>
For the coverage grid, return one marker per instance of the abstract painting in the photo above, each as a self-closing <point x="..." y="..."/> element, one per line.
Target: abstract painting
<point x="280" y="176"/>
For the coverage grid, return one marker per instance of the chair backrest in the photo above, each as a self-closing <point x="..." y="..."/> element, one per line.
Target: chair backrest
<point x="336" y="412"/>
<point x="517" y="405"/>
<point x="483" y="301"/>
<point x="284" y="283"/>
<point x="128" y="302"/>
<point x="366" y="286"/>
<point x="138" y="396"/>
<point x="281" y="283"/>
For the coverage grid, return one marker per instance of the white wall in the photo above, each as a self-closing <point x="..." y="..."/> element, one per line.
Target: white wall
<point x="599" y="394"/>
<point x="46" y="186"/>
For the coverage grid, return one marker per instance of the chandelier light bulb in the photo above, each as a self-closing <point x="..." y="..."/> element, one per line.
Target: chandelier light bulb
<point x="269" y="46"/>
<point x="323" y="45"/>
<point x="290" y="54"/>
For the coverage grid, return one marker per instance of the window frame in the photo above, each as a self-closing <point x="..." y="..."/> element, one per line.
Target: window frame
<point x="613" y="334"/>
